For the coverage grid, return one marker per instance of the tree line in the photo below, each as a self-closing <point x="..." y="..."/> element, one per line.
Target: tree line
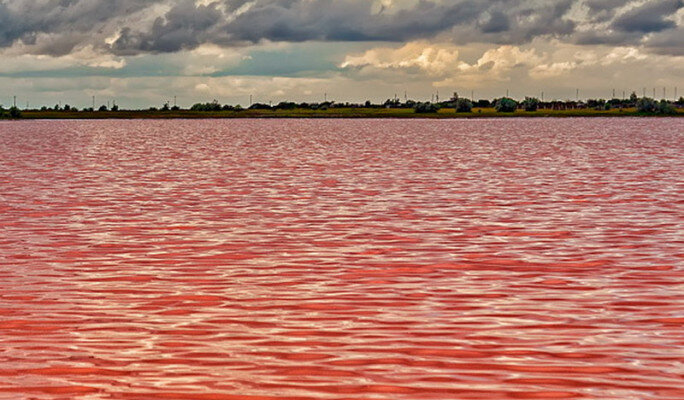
<point x="463" y="105"/>
<point x="644" y="105"/>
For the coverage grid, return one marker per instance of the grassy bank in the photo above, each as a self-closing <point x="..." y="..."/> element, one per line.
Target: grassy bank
<point x="331" y="113"/>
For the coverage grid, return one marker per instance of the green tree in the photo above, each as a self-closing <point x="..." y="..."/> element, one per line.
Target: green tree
<point x="633" y="98"/>
<point x="530" y="103"/>
<point x="646" y="105"/>
<point x="506" y="104"/>
<point x="213" y="106"/>
<point x="665" y="107"/>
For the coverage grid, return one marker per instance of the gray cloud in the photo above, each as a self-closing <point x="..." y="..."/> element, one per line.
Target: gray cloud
<point x="650" y="17"/>
<point x="64" y="24"/>
<point x="603" y="10"/>
<point x="668" y="42"/>
<point x="184" y="26"/>
<point x="57" y="27"/>
<point x="497" y="22"/>
<point x="464" y="21"/>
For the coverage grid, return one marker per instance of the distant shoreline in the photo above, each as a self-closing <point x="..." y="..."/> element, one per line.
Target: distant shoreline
<point x="355" y="113"/>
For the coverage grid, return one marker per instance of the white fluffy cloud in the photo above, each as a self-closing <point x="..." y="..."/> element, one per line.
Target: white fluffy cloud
<point x="441" y="61"/>
<point x="424" y="57"/>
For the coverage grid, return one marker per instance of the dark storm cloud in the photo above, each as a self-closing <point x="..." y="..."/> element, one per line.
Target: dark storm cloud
<point x="62" y="25"/>
<point x="649" y="24"/>
<point x="497" y="22"/>
<point x="668" y="42"/>
<point x="58" y="27"/>
<point x="650" y="17"/>
<point x="354" y="20"/>
<point x="73" y="20"/>
<point x="348" y="20"/>
<point x="603" y="10"/>
<point x="184" y="26"/>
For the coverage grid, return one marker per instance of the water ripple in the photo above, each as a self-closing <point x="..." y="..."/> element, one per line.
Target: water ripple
<point x="307" y="259"/>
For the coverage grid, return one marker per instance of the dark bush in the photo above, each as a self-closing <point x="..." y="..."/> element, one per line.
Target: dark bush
<point x="463" y="105"/>
<point x="15" y="113"/>
<point x="286" y="106"/>
<point x="425" y="108"/>
<point x="259" y="106"/>
<point x="530" y="104"/>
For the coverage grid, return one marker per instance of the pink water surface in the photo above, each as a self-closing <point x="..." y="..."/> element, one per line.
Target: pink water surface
<point x="342" y="259"/>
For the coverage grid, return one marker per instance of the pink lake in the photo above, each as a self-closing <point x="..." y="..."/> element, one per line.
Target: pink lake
<point x="342" y="259"/>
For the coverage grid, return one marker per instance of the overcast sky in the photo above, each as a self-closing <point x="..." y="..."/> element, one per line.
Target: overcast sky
<point x="144" y="52"/>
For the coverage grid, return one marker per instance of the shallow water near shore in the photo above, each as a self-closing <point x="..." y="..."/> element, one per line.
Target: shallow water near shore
<point x="342" y="259"/>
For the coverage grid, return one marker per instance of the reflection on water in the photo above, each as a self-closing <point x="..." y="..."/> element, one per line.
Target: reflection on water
<point x="294" y="259"/>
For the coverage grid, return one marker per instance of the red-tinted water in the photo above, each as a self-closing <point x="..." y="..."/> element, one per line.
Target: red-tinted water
<point x="521" y="259"/>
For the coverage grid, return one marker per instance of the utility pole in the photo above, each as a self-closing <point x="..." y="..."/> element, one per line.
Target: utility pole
<point x="93" y="103"/>
<point x="664" y="93"/>
<point x="675" y="93"/>
<point x="438" y="96"/>
<point x="644" y="93"/>
<point x="654" y="93"/>
<point x="542" y="96"/>
<point x="613" y="93"/>
<point x="405" y="97"/>
<point x="325" y="97"/>
<point x="623" y="95"/>
<point x="15" y="102"/>
<point x="506" y="92"/>
<point x="250" y="99"/>
<point x="577" y="95"/>
<point x="472" y="95"/>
